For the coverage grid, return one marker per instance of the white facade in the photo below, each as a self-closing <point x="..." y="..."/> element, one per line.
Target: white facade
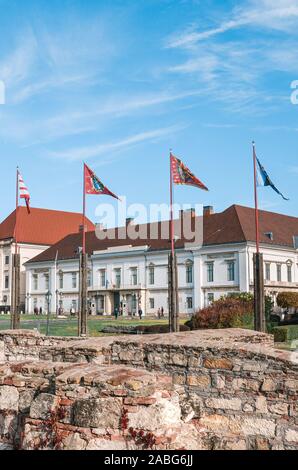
<point x="27" y="252"/>
<point x="132" y="277"/>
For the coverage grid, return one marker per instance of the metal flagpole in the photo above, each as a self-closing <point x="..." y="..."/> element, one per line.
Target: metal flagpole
<point x="15" y="280"/>
<point x="83" y="270"/>
<point x="259" y="297"/>
<point x="173" y="277"/>
<point x="256" y="199"/>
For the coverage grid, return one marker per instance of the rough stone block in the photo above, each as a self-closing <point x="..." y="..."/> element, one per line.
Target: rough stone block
<point x="98" y="413"/>
<point x="224" y="404"/>
<point x="43" y="405"/>
<point x="9" y="398"/>
<point x="163" y="413"/>
<point x="199" y="381"/>
<point x="74" y="442"/>
<point x="218" y="363"/>
<point x="279" y="408"/>
<point x="261" y="427"/>
<point x="292" y="435"/>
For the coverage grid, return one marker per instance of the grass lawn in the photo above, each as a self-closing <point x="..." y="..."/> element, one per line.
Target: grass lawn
<point x="69" y="326"/>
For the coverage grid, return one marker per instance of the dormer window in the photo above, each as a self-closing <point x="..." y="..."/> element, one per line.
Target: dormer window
<point x="269" y="235"/>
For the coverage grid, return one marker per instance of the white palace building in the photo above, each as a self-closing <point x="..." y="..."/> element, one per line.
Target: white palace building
<point x="128" y="273"/>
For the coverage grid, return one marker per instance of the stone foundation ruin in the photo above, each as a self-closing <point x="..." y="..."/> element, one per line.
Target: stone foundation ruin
<point x="212" y="389"/>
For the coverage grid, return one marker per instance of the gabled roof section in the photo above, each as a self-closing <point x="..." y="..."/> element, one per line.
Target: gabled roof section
<point x="42" y="226"/>
<point x="234" y="225"/>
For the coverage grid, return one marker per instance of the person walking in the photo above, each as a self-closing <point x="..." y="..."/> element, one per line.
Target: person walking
<point x="140" y="313"/>
<point x="162" y="312"/>
<point x="159" y="313"/>
<point x="116" y="313"/>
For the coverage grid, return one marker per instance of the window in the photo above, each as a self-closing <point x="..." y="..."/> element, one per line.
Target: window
<point x="267" y="272"/>
<point x="189" y="302"/>
<point x="118" y="277"/>
<point x="231" y="270"/>
<point x="101" y="303"/>
<point x="151" y="275"/>
<point x="189" y="271"/>
<point x="6" y="284"/>
<point x="210" y="272"/>
<point x="134" y="303"/>
<point x="89" y="279"/>
<point x="35" y="282"/>
<point x="134" y="276"/>
<point x="61" y="281"/>
<point x="210" y="298"/>
<point x="47" y="282"/>
<point x="74" y="305"/>
<point x="103" y="278"/>
<point x="7" y="258"/>
<point x="278" y="269"/>
<point x="151" y="303"/>
<point x="74" y="280"/>
<point x="289" y="272"/>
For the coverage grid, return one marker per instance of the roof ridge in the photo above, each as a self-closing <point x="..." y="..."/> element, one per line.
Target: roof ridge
<point x="239" y="220"/>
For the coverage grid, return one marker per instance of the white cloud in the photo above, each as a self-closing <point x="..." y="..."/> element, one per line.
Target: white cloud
<point x="17" y="66"/>
<point x="88" y="152"/>
<point x="269" y="14"/>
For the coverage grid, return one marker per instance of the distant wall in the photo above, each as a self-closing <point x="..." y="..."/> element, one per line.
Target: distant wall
<point x="221" y="389"/>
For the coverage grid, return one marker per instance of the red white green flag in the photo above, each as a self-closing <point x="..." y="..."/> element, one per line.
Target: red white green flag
<point x="182" y="174"/>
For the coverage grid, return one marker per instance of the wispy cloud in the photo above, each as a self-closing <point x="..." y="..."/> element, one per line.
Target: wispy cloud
<point x="17" y="65"/>
<point x="232" y="71"/>
<point x="87" y="152"/>
<point x="271" y="14"/>
<point x="87" y="119"/>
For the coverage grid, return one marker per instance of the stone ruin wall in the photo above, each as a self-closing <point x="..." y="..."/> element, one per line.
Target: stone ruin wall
<point x="216" y="389"/>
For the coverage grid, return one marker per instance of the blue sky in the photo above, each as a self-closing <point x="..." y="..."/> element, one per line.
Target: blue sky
<point x="118" y="84"/>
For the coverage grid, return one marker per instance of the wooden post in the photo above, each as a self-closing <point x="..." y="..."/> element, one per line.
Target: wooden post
<point x="173" y="294"/>
<point x="15" y="292"/>
<point x="259" y="298"/>
<point x="83" y="310"/>
<point x="170" y="294"/>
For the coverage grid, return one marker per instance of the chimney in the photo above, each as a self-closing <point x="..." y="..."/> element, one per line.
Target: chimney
<point x="208" y="210"/>
<point x="188" y="212"/>
<point x="129" y="221"/>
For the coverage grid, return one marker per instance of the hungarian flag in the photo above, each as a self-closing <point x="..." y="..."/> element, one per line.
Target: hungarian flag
<point x="93" y="185"/>
<point x="24" y="193"/>
<point x="264" y="180"/>
<point x="182" y="175"/>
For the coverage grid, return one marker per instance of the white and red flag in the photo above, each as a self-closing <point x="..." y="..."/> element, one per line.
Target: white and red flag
<point x="24" y="193"/>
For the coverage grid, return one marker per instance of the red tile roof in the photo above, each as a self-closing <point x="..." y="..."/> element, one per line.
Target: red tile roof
<point x="42" y="226"/>
<point x="234" y="225"/>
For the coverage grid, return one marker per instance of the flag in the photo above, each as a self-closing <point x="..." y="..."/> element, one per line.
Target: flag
<point x="182" y="175"/>
<point x="93" y="185"/>
<point x="24" y="193"/>
<point x="264" y="180"/>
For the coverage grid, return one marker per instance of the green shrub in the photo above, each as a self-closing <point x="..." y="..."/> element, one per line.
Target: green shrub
<point x="284" y="334"/>
<point x="231" y="311"/>
<point x="287" y="300"/>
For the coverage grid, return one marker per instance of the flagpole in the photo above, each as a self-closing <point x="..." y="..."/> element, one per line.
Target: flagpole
<point x="256" y="199"/>
<point x="171" y="207"/>
<point x="84" y="211"/>
<point x="17" y="210"/>
<point x="259" y="300"/>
